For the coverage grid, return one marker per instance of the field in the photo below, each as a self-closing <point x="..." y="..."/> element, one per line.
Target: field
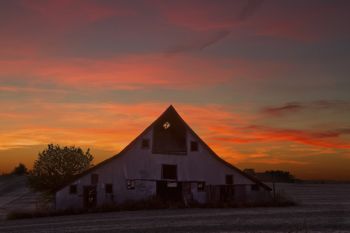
<point x="15" y="195"/>
<point x="322" y="208"/>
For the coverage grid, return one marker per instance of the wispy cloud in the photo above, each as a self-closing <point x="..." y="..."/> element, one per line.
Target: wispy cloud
<point x="249" y="9"/>
<point x="66" y="14"/>
<point x="284" y="109"/>
<point x="199" y="44"/>
<point x="294" y="107"/>
<point x="203" y="42"/>
<point x="326" y="138"/>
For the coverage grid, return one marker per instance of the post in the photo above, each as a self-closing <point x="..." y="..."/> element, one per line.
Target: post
<point x="273" y="187"/>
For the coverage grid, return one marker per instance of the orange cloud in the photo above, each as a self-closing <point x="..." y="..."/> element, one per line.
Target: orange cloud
<point x="254" y="134"/>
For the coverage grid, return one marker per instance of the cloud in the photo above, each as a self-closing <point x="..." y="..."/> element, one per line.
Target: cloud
<point x="276" y="19"/>
<point x="100" y="125"/>
<point x="249" y="9"/>
<point x="326" y="138"/>
<point x="65" y="14"/>
<point x="200" y="44"/>
<point x="285" y="109"/>
<point x="80" y="124"/>
<point x="276" y="161"/>
<point x="132" y="72"/>
<point x="208" y="15"/>
<point x="245" y="134"/>
<point x="294" y="107"/>
<point x="314" y="22"/>
<point x="225" y="28"/>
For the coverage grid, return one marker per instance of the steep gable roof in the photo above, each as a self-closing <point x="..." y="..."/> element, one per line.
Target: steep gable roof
<point x="171" y="113"/>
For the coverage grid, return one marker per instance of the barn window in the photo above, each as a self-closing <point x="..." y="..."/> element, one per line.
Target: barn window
<point x="94" y="179"/>
<point x="109" y="188"/>
<point x="145" y="143"/>
<point x="169" y="172"/>
<point x="73" y="189"/>
<point x="229" y="179"/>
<point x="200" y="186"/>
<point x="130" y="184"/>
<point x="166" y="125"/>
<point x="255" y="187"/>
<point x="194" y="146"/>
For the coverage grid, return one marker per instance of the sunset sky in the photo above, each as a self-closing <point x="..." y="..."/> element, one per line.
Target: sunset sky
<point x="265" y="83"/>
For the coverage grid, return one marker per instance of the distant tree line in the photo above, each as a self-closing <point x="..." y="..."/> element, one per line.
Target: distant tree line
<point x="280" y="176"/>
<point x="19" y="170"/>
<point x="273" y="175"/>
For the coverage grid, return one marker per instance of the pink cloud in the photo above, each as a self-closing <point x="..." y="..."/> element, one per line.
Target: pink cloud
<point x="302" y="22"/>
<point x="134" y="72"/>
<point x="208" y="15"/>
<point x="65" y="14"/>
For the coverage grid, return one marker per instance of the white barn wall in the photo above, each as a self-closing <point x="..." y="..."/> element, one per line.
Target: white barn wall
<point x="137" y="163"/>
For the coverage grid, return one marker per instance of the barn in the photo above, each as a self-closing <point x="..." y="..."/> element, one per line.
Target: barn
<point x="168" y="160"/>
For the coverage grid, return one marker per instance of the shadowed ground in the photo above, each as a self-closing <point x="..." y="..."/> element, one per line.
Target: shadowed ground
<point x="324" y="208"/>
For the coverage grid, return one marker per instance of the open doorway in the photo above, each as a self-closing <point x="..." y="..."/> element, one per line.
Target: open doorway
<point x="90" y="196"/>
<point x="169" y="191"/>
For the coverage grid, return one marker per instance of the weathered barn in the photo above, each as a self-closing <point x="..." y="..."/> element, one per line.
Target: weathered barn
<point x="167" y="160"/>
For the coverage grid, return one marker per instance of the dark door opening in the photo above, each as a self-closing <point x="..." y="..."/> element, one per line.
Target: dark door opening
<point x="227" y="193"/>
<point x="90" y="197"/>
<point x="169" y="191"/>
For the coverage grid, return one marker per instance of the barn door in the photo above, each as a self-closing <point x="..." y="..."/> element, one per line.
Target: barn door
<point x="90" y="197"/>
<point x="169" y="191"/>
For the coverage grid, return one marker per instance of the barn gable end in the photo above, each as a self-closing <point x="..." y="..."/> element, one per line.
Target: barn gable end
<point x="169" y="160"/>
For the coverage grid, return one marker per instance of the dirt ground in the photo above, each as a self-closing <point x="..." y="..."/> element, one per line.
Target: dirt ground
<point x="323" y="208"/>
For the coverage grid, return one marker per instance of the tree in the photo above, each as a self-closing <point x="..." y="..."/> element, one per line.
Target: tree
<point x="56" y="166"/>
<point x="21" y="169"/>
<point x="280" y="176"/>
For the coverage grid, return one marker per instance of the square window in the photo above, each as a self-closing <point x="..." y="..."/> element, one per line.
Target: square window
<point x="73" y="189"/>
<point x="169" y="172"/>
<point x="200" y="186"/>
<point x="194" y="146"/>
<point x="94" y="179"/>
<point x="109" y="188"/>
<point x="255" y="187"/>
<point x="145" y="144"/>
<point x="130" y="184"/>
<point x="229" y="179"/>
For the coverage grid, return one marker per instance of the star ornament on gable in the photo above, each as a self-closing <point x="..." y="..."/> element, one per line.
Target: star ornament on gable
<point x="166" y="125"/>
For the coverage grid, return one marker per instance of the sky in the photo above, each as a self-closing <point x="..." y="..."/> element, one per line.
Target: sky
<point x="264" y="83"/>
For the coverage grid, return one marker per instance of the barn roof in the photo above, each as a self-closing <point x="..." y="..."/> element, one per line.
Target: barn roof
<point x="170" y="112"/>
